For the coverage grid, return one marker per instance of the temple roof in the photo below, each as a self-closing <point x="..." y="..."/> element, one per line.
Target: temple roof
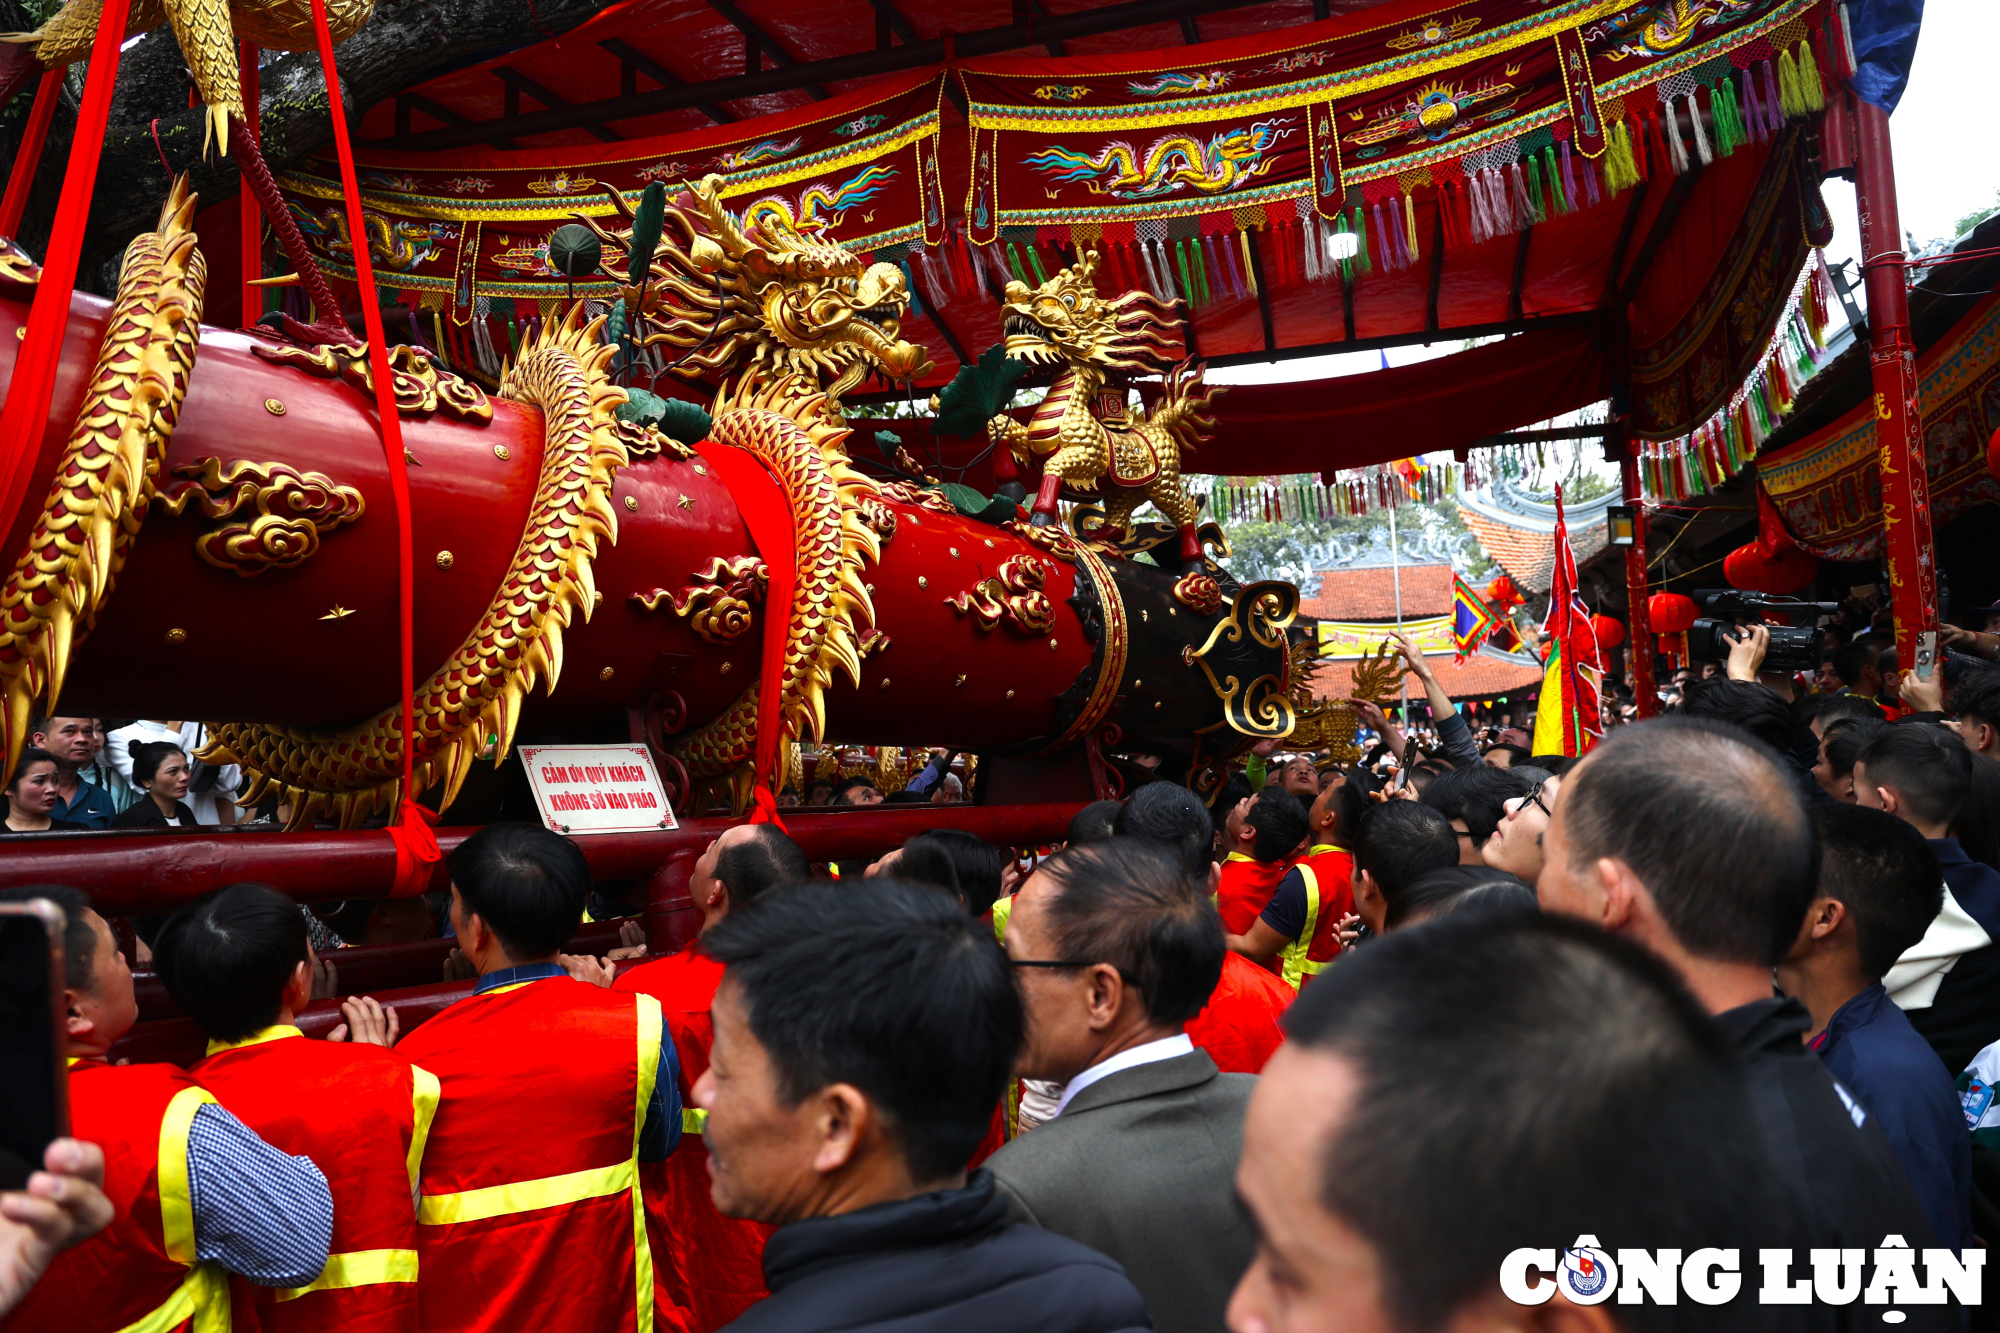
<point x="1370" y="594"/>
<point x="1517" y="530"/>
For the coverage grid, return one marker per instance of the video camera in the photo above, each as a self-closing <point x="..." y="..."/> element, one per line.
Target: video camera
<point x="1793" y="648"/>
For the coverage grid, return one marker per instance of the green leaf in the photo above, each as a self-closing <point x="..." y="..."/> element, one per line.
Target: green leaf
<point x="978" y="393"/>
<point x="684" y="421"/>
<point x="641" y="406"/>
<point x="888" y="442"/>
<point x="964" y="499"/>
<point x="999" y="510"/>
<point x="646" y="220"/>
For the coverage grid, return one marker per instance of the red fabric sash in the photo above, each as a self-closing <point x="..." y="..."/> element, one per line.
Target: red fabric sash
<point x="768" y="514"/>
<point x="252" y="248"/>
<point x="24" y="419"/>
<point x="22" y="178"/>
<point x="413" y="836"/>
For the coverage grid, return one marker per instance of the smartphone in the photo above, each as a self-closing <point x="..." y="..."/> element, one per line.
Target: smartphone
<point x="34" y="1086"/>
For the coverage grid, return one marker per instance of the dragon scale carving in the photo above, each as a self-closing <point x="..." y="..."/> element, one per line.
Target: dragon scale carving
<point x="105" y="479"/>
<point x="783" y="423"/>
<point x="350" y="773"/>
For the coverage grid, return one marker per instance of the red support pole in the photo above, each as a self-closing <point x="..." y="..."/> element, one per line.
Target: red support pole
<point x="1906" y="504"/>
<point x="1645" y="689"/>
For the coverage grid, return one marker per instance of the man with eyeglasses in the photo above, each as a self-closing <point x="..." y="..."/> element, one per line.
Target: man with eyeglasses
<point x="1115" y="947"/>
<point x="1516" y="844"/>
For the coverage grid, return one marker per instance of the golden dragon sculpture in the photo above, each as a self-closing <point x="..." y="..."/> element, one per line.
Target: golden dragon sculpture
<point x="207" y="31"/>
<point x="107" y="477"/>
<point x="1083" y="429"/>
<point x="765" y="298"/>
<point x="349" y="773"/>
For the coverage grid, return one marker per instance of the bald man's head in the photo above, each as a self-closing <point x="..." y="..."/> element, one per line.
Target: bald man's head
<point x="1708" y="823"/>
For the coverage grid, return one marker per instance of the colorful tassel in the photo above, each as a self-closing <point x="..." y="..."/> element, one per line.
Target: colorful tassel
<point x="1677" y="153"/>
<point x="1701" y="147"/>
<point x="1812" y="94"/>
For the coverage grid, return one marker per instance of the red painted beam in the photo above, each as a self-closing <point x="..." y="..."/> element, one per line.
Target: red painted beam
<point x="143" y="872"/>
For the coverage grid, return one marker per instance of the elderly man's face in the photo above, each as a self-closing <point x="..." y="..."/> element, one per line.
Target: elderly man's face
<point x="1056" y="1001"/>
<point x="760" y="1151"/>
<point x="1311" y="1272"/>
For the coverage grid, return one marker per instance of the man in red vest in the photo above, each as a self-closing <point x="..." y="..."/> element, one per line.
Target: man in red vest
<point x="239" y="963"/>
<point x="1259" y="838"/>
<point x="198" y="1195"/>
<point x="554" y="1091"/>
<point x="707" y="1268"/>
<point x="1239" y="1027"/>
<point x="1300" y="926"/>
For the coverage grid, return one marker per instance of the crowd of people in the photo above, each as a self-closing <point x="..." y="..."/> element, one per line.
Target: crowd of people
<point x="1333" y="1050"/>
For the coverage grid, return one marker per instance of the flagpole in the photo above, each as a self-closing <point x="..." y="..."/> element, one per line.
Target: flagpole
<point x="1396" y="574"/>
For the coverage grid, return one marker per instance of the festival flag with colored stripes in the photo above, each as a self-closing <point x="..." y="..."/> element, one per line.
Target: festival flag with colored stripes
<point x="1472" y="620"/>
<point x="1566" y="718"/>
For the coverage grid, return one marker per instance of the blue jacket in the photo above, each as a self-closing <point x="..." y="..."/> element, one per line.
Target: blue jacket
<point x="1975" y="884"/>
<point x="1871" y="1050"/>
<point x="92" y="808"/>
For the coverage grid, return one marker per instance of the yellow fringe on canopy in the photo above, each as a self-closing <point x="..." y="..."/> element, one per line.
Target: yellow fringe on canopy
<point x="1810" y="91"/>
<point x="1620" y="172"/>
<point x="1790" y="102"/>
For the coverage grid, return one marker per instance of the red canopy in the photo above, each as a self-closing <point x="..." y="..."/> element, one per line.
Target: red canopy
<point x="1505" y="166"/>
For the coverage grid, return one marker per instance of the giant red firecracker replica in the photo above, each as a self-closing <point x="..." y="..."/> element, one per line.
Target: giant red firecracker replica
<point x="609" y="484"/>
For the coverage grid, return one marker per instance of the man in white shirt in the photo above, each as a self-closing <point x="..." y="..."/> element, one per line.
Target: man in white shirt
<point x="1115" y="948"/>
<point x="212" y="802"/>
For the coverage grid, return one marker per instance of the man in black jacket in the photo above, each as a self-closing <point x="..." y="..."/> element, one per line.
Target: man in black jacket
<point x="1685" y="837"/>
<point x="863" y="1035"/>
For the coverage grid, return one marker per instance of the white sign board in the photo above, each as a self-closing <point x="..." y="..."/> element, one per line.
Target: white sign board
<point x="596" y="788"/>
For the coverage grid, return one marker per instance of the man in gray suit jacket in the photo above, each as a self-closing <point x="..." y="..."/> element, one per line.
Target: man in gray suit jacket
<point x="1116" y="948"/>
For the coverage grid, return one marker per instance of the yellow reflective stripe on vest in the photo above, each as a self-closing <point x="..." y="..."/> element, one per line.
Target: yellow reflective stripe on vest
<point x="423" y="1109"/>
<point x="1297" y="966"/>
<point x="202" y="1296"/>
<point x="359" y="1268"/>
<point x="257" y="1038"/>
<point x="176" y="1199"/>
<point x="693" y="1121"/>
<point x="525" y="1196"/>
<point x="652" y="1026"/>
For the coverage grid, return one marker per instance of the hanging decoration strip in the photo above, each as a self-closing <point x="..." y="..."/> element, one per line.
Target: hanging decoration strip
<point x="463" y="238"/>
<point x="1827" y="487"/>
<point x="1344" y="494"/>
<point x="1327" y="152"/>
<point x="1672" y="471"/>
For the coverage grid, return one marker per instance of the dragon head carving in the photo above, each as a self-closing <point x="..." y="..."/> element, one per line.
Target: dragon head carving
<point x="1065" y="320"/>
<point x="726" y="294"/>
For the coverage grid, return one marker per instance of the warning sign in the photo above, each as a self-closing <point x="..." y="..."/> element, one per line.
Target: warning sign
<point x="596" y="788"/>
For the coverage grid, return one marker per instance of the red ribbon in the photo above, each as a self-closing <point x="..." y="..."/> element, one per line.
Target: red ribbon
<point x="29" y="158"/>
<point x="768" y="514"/>
<point x="250" y="217"/>
<point x="416" y="852"/>
<point x="25" y="418"/>
<point x="413" y="830"/>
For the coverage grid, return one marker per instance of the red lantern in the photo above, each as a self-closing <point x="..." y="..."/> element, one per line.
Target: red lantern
<point x="1789" y="570"/>
<point x="1670" y="612"/>
<point x="1502" y="593"/>
<point x="1610" y="632"/>
<point x="1993" y="454"/>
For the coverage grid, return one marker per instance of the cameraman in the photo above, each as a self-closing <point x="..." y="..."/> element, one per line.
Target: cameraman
<point x="1745" y="701"/>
